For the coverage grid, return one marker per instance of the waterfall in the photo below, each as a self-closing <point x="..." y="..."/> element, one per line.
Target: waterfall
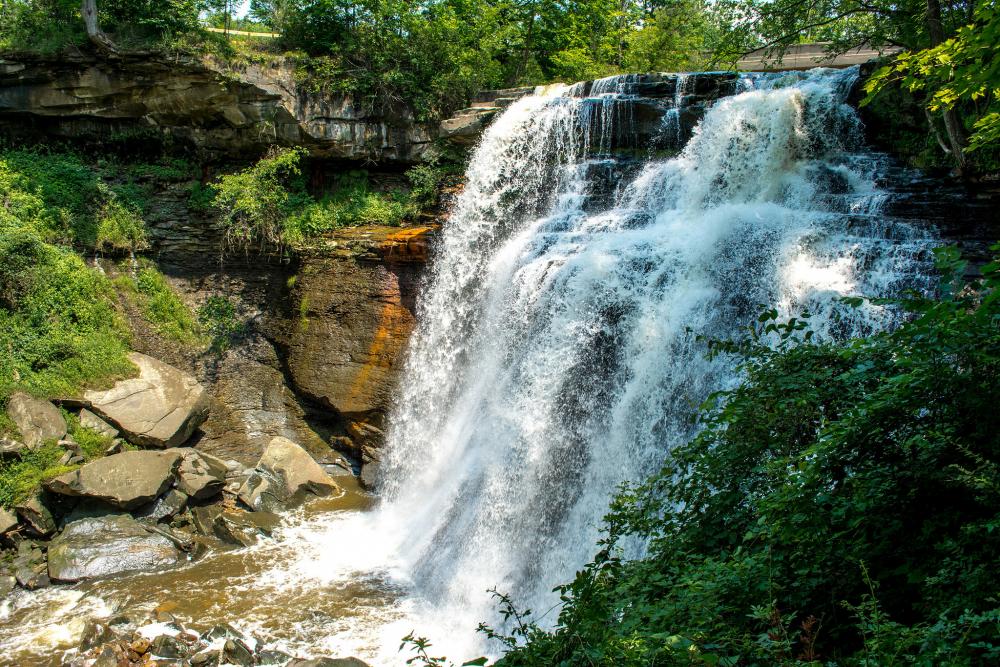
<point x="556" y="356"/>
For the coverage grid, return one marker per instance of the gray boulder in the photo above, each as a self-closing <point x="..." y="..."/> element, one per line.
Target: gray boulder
<point x="99" y="547"/>
<point x="165" y="507"/>
<point x="127" y="480"/>
<point x="285" y="475"/>
<point x="160" y="408"/>
<point x="7" y="584"/>
<point x="201" y="475"/>
<point x="37" y="420"/>
<point x="89" y="420"/>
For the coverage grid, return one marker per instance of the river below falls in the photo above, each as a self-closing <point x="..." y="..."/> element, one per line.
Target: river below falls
<point x="325" y="584"/>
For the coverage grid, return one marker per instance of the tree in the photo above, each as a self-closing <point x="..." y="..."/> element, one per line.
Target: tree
<point x="94" y="33"/>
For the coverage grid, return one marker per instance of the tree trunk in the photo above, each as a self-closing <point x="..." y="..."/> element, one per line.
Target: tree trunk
<point x="94" y="32"/>
<point x="952" y="125"/>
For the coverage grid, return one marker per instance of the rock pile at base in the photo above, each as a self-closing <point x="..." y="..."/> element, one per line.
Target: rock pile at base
<point x="122" y="642"/>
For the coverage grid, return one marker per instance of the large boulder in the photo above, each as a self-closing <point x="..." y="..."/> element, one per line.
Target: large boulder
<point x="98" y="547"/>
<point x="37" y="420"/>
<point x="160" y="408"/>
<point x="285" y="474"/>
<point x="127" y="480"/>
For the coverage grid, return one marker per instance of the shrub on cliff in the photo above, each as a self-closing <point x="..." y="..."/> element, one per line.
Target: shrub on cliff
<point x="255" y="203"/>
<point x="841" y="507"/>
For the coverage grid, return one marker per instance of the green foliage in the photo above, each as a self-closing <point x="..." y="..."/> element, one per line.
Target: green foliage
<point x="121" y="228"/>
<point x="21" y="477"/>
<point x="840" y="507"/>
<point x="962" y="72"/>
<point x="256" y="202"/>
<point x="93" y="445"/>
<point x="48" y="26"/>
<point x="161" y="306"/>
<point x="218" y="319"/>
<point x="59" y="327"/>
<point x="266" y="205"/>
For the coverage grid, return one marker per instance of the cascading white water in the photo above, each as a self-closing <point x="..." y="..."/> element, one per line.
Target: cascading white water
<point x="555" y="356"/>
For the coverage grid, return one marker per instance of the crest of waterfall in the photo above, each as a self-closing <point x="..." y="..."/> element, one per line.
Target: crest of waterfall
<point x="556" y="356"/>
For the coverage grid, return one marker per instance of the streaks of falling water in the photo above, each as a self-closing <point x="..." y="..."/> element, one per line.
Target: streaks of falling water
<point x="553" y="358"/>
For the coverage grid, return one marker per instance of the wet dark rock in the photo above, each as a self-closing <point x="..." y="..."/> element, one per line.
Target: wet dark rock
<point x="36" y="419"/>
<point x="236" y="652"/>
<point x="244" y="528"/>
<point x="166" y="646"/>
<point x="128" y="480"/>
<point x="7" y="584"/>
<point x="95" y="634"/>
<point x="269" y="657"/>
<point x="165" y="507"/>
<point x="221" y="631"/>
<point x="205" y="659"/>
<point x="29" y="567"/>
<point x="99" y="547"/>
<point x="35" y="512"/>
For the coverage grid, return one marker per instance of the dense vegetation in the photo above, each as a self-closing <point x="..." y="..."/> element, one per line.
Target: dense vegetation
<point x="841" y="507"/>
<point x="266" y="206"/>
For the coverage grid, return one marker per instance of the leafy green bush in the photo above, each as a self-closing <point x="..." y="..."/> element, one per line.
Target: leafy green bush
<point x="21" y="477"/>
<point x="121" y="228"/>
<point x="256" y="202"/>
<point x="161" y="306"/>
<point x="841" y="507"/>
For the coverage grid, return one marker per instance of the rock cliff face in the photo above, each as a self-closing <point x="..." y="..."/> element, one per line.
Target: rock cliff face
<point x="322" y="345"/>
<point x="196" y="105"/>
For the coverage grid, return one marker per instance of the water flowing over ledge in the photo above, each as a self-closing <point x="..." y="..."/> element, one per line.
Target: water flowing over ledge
<point x="555" y="356"/>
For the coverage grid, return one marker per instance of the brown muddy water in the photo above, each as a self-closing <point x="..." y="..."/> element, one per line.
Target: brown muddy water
<point x="321" y="586"/>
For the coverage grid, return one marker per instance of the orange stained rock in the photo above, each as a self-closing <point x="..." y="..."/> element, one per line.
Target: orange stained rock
<point x="394" y="324"/>
<point x="407" y="245"/>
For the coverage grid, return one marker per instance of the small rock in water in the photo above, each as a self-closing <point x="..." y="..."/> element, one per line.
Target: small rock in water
<point x="165" y="507"/>
<point x="221" y="631"/>
<point x="166" y="646"/>
<point x="205" y="659"/>
<point x="267" y="658"/>
<point x="7" y="584"/>
<point x="235" y="651"/>
<point x="95" y="634"/>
